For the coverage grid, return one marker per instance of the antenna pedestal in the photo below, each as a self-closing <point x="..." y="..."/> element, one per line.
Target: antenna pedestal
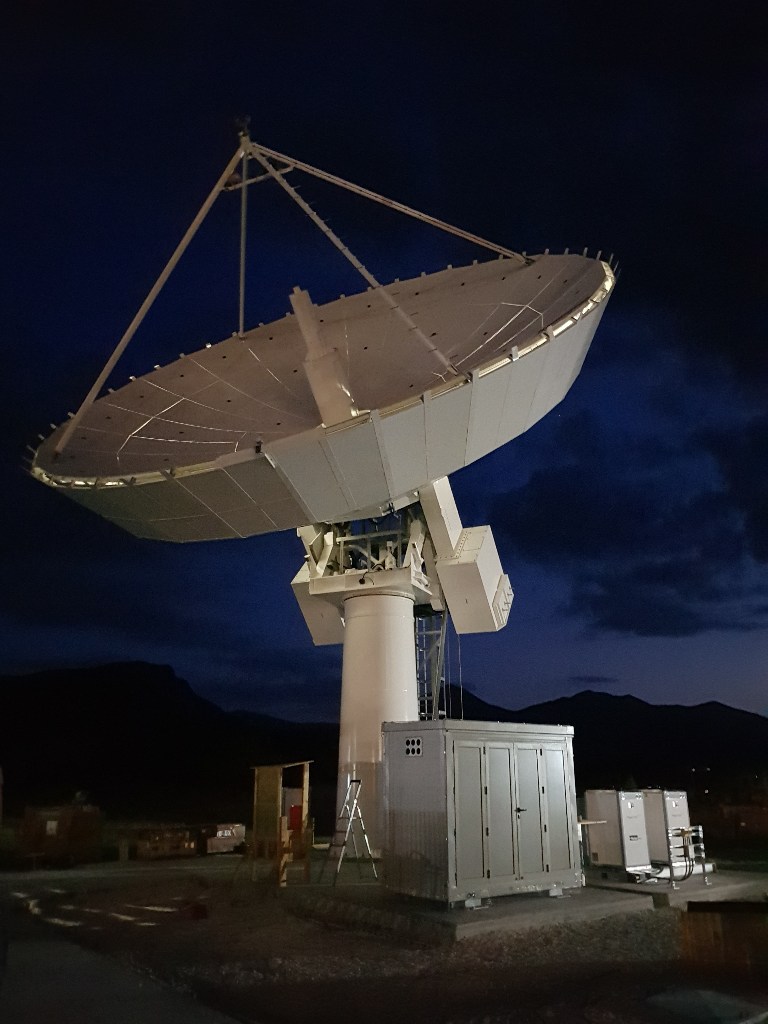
<point x="361" y="590"/>
<point x="378" y="684"/>
<point x="378" y="676"/>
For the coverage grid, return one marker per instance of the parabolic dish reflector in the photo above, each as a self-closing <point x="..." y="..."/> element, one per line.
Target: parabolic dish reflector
<point x="336" y="412"/>
<point x="229" y="442"/>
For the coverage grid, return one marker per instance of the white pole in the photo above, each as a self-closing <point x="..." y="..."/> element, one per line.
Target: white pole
<point x="378" y="684"/>
<point x="243" y="225"/>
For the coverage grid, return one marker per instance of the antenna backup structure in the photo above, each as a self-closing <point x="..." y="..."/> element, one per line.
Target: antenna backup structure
<point x="344" y="422"/>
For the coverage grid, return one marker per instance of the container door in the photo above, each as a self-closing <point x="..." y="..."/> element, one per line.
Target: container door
<point x="468" y="786"/>
<point x="531" y="861"/>
<point x="501" y="815"/>
<point x="559" y="829"/>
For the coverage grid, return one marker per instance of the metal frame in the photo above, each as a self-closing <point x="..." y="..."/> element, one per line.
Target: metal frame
<point x="248" y="149"/>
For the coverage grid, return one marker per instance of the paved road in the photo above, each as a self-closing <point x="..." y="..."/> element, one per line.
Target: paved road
<point x="48" y="980"/>
<point x="51" y="980"/>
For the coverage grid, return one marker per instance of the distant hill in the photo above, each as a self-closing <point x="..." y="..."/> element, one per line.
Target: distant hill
<point x="142" y="744"/>
<point x="620" y="741"/>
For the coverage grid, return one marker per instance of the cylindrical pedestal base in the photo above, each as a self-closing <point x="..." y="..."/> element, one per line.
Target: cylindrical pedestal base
<point x="378" y="684"/>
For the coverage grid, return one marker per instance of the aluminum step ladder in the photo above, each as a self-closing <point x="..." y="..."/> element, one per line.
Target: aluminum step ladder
<point x="350" y="815"/>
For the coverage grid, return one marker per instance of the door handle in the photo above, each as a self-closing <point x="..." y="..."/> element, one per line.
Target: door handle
<point x="519" y="810"/>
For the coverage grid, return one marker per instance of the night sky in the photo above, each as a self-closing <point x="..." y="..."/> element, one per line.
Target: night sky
<point x="633" y="520"/>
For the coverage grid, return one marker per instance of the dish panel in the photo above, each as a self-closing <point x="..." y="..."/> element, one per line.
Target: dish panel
<point x="356" y="458"/>
<point x="447" y="419"/>
<point x="402" y="438"/>
<point x="489" y="393"/>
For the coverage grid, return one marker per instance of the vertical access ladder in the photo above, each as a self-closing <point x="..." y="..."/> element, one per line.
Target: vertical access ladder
<point x="349" y="815"/>
<point x="430" y="634"/>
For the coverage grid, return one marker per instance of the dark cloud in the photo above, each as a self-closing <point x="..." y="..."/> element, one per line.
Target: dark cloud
<point x="301" y="685"/>
<point x="629" y="602"/>
<point x="645" y="549"/>
<point x="566" y="513"/>
<point x="593" y="680"/>
<point x="742" y="458"/>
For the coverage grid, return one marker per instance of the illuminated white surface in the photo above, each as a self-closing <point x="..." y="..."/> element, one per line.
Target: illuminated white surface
<point x="229" y="442"/>
<point x="378" y="684"/>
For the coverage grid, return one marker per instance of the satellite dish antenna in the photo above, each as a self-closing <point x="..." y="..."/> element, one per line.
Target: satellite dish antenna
<point x="334" y="416"/>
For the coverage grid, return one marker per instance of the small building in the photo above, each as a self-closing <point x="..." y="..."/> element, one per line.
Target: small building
<point x="479" y="809"/>
<point x="70" y="834"/>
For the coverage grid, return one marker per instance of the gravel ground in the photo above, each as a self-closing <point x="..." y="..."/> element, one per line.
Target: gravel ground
<point x="237" y="946"/>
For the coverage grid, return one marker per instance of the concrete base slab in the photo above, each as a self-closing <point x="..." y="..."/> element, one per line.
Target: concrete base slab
<point x="723" y="885"/>
<point x="54" y="980"/>
<point x="373" y="907"/>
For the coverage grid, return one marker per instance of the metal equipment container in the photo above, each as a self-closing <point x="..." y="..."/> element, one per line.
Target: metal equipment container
<point x="621" y="839"/>
<point x="479" y="809"/>
<point x="665" y="811"/>
<point x="225" y="837"/>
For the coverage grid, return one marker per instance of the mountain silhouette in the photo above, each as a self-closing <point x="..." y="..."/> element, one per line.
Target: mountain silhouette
<point x="622" y="741"/>
<point x="143" y="744"/>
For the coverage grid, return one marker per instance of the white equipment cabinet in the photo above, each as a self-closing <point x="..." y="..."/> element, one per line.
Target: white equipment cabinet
<point x="479" y="809"/>
<point x="665" y="810"/>
<point x="621" y="840"/>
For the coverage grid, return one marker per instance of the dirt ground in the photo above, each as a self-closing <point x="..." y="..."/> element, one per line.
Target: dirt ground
<point x="237" y="945"/>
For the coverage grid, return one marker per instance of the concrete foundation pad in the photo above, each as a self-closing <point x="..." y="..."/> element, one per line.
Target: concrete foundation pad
<point x="538" y="910"/>
<point x="371" y="906"/>
<point x="723" y="885"/>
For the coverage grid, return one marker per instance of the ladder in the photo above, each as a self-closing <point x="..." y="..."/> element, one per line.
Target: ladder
<point x="349" y="814"/>
<point x="430" y="635"/>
